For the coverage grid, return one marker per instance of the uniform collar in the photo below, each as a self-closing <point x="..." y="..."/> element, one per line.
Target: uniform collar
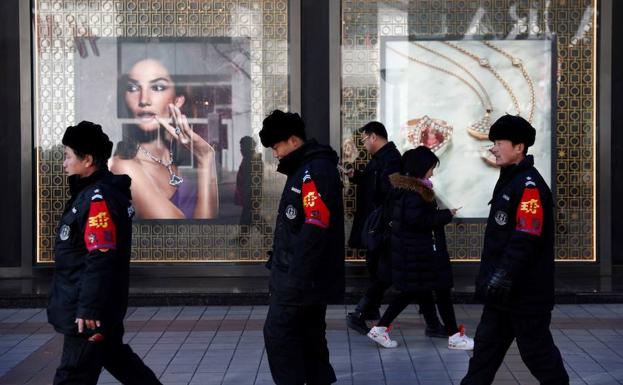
<point x="291" y="162"/>
<point x="77" y="184"/>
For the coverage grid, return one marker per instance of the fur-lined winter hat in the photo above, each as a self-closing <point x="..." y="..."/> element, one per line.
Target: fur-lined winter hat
<point x="88" y="138"/>
<point x="280" y="126"/>
<point x="513" y="128"/>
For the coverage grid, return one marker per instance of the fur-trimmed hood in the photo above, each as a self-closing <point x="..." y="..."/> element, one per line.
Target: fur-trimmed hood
<point x="411" y="183"/>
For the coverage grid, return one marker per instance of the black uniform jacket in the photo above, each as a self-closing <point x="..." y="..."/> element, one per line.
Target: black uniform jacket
<point x="92" y="253"/>
<point x="418" y="254"/>
<point x="519" y="238"/>
<point x="372" y="187"/>
<point x="307" y="263"/>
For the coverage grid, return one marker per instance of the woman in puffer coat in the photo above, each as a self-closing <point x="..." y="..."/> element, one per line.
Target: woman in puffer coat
<point x="420" y="263"/>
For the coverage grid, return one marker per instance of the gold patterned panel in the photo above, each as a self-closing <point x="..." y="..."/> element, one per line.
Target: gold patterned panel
<point x="66" y="28"/>
<point x="569" y="22"/>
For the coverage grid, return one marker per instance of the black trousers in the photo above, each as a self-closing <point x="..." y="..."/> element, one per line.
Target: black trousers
<point x="495" y="333"/>
<point x="82" y="362"/>
<point x="427" y="303"/>
<point x="296" y="345"/>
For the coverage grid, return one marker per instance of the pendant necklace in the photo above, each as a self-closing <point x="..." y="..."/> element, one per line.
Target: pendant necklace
<point x="435" y="133"/>
<point x="479" y="129"/>
<point x="517" y="63"/>
<point x="484" y="62"/>
<point x="175" y="180"/>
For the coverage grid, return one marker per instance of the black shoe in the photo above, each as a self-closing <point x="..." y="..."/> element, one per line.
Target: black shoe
<point x="356" y="322"/>
<point x="436" y="331"/>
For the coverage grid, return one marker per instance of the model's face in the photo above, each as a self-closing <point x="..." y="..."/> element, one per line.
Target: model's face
<point x="285" y="147"/>
<point x="149" y="92"/>
<point x="506" y="153"/>
<point x="73" y="165"/>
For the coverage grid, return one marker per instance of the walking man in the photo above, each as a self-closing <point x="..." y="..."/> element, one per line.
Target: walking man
<point x="373" y="186"/>
<point x="89" y="293"/>
<point x="307" y="261"/>
<point x="516" y="278"/>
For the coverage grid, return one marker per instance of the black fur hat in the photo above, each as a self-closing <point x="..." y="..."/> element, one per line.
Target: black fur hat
<point x="88" y="138"/>
<point x="280" y="126"/>
<point x="513" y="128"/>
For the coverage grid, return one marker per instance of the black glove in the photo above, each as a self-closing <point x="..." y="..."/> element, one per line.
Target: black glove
<point x="499" y="287"/>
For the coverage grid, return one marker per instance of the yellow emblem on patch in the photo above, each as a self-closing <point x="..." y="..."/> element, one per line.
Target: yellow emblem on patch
<point x="99" y="221"/>
<point x="310" y="199"/>
<point x="530" y="206"/>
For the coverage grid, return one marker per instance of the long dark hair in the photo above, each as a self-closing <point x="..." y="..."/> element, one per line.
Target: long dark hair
<point x="418" y="161"/>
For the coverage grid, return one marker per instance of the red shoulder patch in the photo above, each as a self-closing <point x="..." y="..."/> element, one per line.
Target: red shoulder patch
<point x="530" y="212"/>
<point x="316" y="212"/>
<point x="100" y="232"/>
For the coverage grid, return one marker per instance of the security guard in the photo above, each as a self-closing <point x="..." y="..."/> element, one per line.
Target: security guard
<point x="516" y="278"/>
<point x="307" y="262"/>
<point x="89" y="293"/>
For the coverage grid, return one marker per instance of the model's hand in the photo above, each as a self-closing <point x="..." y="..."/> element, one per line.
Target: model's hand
<point x="180" y="130"/>
<point x="87" y="323"/>
<point x="499" y="287"/>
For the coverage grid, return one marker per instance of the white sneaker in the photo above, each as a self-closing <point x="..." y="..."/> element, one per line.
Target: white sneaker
<point x="379" y="335"/>
<point x="459" y="341"/>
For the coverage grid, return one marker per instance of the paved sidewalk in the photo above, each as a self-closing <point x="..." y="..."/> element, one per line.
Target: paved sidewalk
<point x="224" y="346"/>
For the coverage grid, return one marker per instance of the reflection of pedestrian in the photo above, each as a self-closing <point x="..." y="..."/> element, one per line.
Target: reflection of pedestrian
<point x="372" y="188"/>
<point x="89" y="293"/>
<point x="146" y="153"/>
<point x="248" y="187"/>
<point x="307" y="262"/>
<point x="516" y="278"/>
<point x="418" y="260"/>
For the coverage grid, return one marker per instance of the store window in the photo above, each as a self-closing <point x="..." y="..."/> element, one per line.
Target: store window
<point x="438" y="73"/>
<point x="144" y="69"/>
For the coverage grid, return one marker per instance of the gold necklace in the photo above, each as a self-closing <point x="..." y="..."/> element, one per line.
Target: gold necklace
<point x="425" y="129"/>
<point x="479" y="129"/>
<point x="487" y="65"/>
<point x="517" y="63"/>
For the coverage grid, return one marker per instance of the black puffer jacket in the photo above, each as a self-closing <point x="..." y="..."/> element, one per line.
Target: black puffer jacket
<point x="92" y="253"/>
<point x="525" y="251"/>
<point x="373" y="187"/>
<point x="419" y="255"/>
<point x="307" y="262"/>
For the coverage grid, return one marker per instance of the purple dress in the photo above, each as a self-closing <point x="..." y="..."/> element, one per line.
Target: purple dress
<point x="185" y="197"/>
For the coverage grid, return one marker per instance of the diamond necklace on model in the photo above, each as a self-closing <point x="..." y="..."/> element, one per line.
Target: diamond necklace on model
<point x="175" y="180"/>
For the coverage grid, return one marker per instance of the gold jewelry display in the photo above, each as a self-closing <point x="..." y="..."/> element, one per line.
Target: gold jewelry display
<point x="483" y="62"/>
<point x="517" y="63"/>
<point x="434" y="127"/>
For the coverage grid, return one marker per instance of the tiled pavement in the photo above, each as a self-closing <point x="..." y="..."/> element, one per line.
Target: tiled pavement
<point x="224" y="345"/>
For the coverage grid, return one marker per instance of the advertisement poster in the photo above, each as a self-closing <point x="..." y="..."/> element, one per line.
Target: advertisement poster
<point x="179" y="114"/>
<point x="446" y="94"/>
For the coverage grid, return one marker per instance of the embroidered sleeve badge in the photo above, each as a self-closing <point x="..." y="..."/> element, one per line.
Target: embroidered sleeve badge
<point x="530" y="212"/>
<point x="316" y="212"/>
<point x="100" y="233"/>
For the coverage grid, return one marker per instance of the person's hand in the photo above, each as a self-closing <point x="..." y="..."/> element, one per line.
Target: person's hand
<point x="180" y="130"/>
<point x="454" y="211"/>
<point x="349" y="172"/>
<point x="87" y="324"/>
<point x="499" y="287"/>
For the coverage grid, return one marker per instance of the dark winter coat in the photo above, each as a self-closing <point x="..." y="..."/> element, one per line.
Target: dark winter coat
<point x="524" y="248"/>
<point x="419" y="258"/>
<point x="307" y="262"/>
<point x="92" y="253"/>
<point x="372" y="187"/>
